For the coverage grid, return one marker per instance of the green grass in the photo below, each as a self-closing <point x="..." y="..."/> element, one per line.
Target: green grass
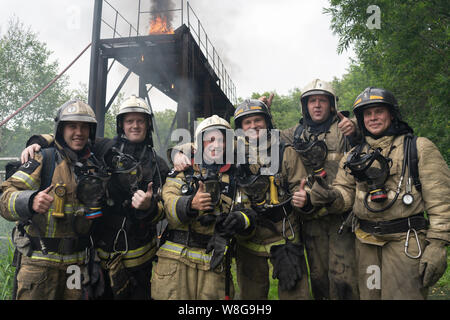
<point x="6" y="270"/>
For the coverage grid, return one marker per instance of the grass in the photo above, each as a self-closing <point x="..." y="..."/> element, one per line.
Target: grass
<point x="440" y="291"/>
<point x="6" y="269"/>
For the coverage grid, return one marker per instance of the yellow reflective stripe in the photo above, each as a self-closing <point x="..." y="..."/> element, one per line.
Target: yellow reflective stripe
<point x="376" y="97"/>
<point x="185" y="251"/>
<point x="78" y="257"/>
<point x="133" y="257"/>
<point x="173" y="212"/>
<point x="27" y="179"/>
<point x="255" y="108"/>
<point x="176" y="180"/>
<point x="12" y="204"/>
<point x="357" y="101"/>
<point x="247" y="220"/>
<point x="264" y="248"/>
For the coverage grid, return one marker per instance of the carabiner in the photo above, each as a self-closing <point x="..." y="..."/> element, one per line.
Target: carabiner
<point x="116" y="240"/>
<point x="407" y="242"/>
<point x="290" y="226"/>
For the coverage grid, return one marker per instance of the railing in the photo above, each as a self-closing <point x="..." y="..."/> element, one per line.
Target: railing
<point x="186" y="16"/>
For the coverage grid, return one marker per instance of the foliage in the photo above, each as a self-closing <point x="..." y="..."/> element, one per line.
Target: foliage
<point x="24" y="70"/>
<point x="407" y="55"/>
<point x="6" y="270"/>
<point x="285" y="109"/>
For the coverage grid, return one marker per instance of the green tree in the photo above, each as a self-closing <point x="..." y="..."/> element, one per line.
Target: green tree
<point x="285" y="109"/>
<point x="24" y="69"/>
<point x="407" y="55"/>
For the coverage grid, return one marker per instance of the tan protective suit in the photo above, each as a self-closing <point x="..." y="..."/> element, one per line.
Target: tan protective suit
<point x="385" y="272"/>
<point x="253" y="254"/>
<point x="182" y="271"/>
<point x="44" y="276"/>
<point x="331" y="257"/>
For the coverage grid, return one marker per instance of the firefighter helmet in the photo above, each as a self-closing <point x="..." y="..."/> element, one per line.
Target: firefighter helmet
<point x="133" y="104"/>
<point x="251" y="107"/>
<point x="213" y="122"/>
<point x="76" y="110"/>
<point x="316" y="87"/>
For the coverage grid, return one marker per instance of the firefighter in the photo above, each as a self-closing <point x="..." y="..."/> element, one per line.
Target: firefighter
<point x="390" y="180"/>
<point x="321" y="138"/>
<point x="277" y="237"/>
<point x="52" y="236"/>
<point x="277" y="234"/>
<point x="203" y="218"/>
<point x="125" y="236"/>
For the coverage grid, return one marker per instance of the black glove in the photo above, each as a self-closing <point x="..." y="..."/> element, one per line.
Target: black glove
<point x="286" y="260"/>
<point x="235" y="222"/>
<point x="323" y="195"/>
<point x="219" y="246"/>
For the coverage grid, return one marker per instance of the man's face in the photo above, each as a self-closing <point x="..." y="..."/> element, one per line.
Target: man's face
<point x="76" y="134"/>
<point x="319" y="108"/>
<point x="213" y="146"/>
<point x="135" y="126"/>
<point x="377" y="119"/>
<point x="256" y="122"/>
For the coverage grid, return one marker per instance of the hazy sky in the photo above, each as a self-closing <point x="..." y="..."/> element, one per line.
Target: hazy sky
<point x="266" y="45"/>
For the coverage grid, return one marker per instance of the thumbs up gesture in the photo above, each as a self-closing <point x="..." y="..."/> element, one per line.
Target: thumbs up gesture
<point x="142" y="200"/>
<point x="299" y="198"/>
<point x="42" y="201"/>
<point x="202" y="200"/>
<point x="346" y="126"/>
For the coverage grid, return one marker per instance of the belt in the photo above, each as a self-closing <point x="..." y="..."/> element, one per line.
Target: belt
<point x="63" y="246"/>
<point x="189" y="238"/>
<point x="417" y="222"/>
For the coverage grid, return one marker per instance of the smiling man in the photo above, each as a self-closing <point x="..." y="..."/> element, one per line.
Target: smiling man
<point x="401" y="251"/>
<point x="53" y="233"/>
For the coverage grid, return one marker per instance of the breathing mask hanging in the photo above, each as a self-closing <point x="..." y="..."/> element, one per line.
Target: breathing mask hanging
<point x="127" y="171"/>
<point x="212" y="185"/>
<point x="314" y="153"/>
<point x="91" y="188"/>
<point x="372" y="168"/>
<point x="254" y="186"/>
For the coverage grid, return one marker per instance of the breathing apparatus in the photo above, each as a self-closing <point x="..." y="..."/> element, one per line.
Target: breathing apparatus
<point x="313" y="152"/>
<point x="373" y="167"/>
<point x="91" y="187"/>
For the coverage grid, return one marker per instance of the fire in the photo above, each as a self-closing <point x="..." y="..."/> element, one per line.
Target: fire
<point x="159" y="25"/>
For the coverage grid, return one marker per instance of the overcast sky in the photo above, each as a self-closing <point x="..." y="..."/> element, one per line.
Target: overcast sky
<point x="266" y="45"/>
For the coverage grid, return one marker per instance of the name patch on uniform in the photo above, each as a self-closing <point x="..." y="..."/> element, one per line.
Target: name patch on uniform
<point x="29" y="167"/>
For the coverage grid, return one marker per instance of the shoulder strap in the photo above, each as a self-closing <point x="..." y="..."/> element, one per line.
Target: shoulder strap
<point x="298" y="131"/>
<point x="48" y="167"/>
<point x="414" y="161"/>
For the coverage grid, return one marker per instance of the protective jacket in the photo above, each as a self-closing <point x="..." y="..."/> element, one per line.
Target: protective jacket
<point x="126" y="229"/>
<point x="434" y="198"/>
<point x="337" y="145"/>
<point x="275" y="225"/>
<point x="188" y="233"/>
<point x="65" y="239"/>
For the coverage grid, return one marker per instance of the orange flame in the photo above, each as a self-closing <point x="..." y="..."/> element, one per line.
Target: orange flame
<point x="159" y="25"/>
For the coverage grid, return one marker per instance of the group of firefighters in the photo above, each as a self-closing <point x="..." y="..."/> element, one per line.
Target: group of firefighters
<point x="338" y="208"/>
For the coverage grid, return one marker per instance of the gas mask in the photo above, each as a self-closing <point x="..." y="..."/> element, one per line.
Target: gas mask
<point x="91" y="188"/>
<point x="254" y="186"/>
<point x="212" y="185"/>
<point x="127" y="171"/>
<point x="372" y="168"/>
<point x="314" y="153"/>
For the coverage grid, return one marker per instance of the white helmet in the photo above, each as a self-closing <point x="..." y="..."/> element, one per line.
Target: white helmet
<point x="315" y="87"/>
<point x="133" y="104"/>
<point x="213" y="122"/>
